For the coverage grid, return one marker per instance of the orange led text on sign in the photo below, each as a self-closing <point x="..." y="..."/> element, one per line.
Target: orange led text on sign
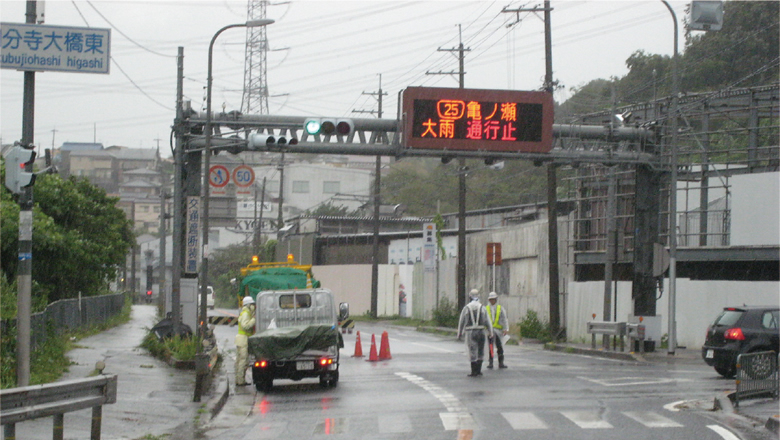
<point x="478" y="127"/>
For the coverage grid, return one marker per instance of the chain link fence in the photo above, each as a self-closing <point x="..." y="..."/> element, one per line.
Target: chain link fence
<point x="69" y="314"/>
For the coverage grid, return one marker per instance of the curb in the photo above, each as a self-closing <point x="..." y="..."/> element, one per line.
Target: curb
<point x="629" y="356"/>
<point x="216" y="403"/>
<point x="773" y="425"/>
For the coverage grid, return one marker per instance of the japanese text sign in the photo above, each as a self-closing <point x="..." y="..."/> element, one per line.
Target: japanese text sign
<point x="477" y="120"/>
<point x="192" y="250"/>
<point x="37" y="47"/>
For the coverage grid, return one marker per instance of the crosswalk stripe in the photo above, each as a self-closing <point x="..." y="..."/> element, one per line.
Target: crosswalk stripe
<point x="524" y="420"/>
<point x="652" y="420"/>
<point x="394" y="423"/>
<point x="456" y="421"/>
<point x="587" y="419"/>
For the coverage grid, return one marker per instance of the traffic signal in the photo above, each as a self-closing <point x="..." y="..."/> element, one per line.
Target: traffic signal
<point x="329" y="127"/>
<point x="260" y="141"/>
<point x="16" y="164"/>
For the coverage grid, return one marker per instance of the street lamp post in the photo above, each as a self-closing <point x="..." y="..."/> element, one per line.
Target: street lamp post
<point x="204" y="267"/>
<point x="207" y="165"/>
<point x="672" y="325"/>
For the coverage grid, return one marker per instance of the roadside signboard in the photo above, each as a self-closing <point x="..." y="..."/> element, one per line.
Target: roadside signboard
<point x="429" y="247"/>
<point x="38" y="47"/>
<point x="243" y="177"/>
<point x="477" y="120"/>
<point x="494" y="254"/>
<point x="192" y="251"/>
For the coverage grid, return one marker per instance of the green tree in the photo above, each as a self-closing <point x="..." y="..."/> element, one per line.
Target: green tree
<point x="80" y="238"/>
<point x="742" y="54"/>
<point x="426" y="186"/>
<point x="329" y="208"/>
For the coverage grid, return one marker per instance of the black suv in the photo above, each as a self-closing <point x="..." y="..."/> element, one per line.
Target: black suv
<point x="739" y="330"/>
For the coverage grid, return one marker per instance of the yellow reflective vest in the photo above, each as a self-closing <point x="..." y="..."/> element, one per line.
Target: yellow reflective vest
<point x="496" y="325"/>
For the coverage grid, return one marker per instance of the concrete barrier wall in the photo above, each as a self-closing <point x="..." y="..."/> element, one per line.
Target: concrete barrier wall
<point x="698" y="303"/>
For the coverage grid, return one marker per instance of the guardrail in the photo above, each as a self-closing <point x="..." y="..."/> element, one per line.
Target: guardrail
<point x="757" y="375"/>
<point x="607" y="328"/>
<point x="56" y="399"/>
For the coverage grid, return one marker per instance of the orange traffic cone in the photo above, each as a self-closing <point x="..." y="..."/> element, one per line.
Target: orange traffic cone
<point x="358" y="347"/>
<point x="372" y="354"/>
<point x="384" y="348"/>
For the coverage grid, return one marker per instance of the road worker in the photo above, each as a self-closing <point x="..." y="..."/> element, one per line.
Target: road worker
<point x="474" y="324"/>
<point x="246" y="328"/>
<point x="500" y="322"/>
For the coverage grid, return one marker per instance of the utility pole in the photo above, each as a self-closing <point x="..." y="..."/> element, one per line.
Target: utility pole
<point x="24" y="268"/>
<point x="462" y="172"/>
<point x="178" y="197"/>
<point x="552" y="180"/>
<point x="377" y="181"/>
<point x="258" y="232"/>
<point x="279" y="215"/>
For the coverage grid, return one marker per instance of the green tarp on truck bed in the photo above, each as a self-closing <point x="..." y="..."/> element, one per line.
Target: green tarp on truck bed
<point x="288" y="342"/>
<point x="275" y="278"/>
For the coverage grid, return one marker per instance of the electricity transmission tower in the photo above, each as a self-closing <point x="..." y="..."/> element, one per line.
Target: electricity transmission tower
<point x="255" y="98"/>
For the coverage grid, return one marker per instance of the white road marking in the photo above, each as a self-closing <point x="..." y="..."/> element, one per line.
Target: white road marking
<point x="524" y="420"/>
<point x="453" y="421"/>
<point x="587" y="419"/>
<point x="652" y="420"/>
<point x="723" y="432"/>
<point x="457" y="416"/>
<point x="673" y="406"/>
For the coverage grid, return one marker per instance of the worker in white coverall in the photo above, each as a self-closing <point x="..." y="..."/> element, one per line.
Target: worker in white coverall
<point x="474" y="324"/>
<point x="500" y="322"/>
<point x="246" y="328"/>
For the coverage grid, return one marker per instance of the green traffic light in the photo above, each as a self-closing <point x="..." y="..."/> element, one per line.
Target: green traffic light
<point x="312" y="126"/>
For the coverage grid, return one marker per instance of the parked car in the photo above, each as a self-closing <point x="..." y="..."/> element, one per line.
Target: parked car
<point x="210" y="297"/>
<point x="739" y="330"/>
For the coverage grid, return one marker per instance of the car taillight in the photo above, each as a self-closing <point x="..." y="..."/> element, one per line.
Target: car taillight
<point x="261" y="364"/>
<point x="326" y="361"/>
<point x="734" y="334"/>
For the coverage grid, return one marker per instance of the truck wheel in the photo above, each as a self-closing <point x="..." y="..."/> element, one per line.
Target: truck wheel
<point x="264" y="385"/>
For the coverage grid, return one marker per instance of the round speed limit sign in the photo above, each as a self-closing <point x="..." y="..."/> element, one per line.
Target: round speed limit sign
<point x="243" y="176"/>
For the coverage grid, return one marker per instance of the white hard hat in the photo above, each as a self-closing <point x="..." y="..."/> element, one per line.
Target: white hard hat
<point x="474" y="293"/>
<point x="493" y="295"/>
<point x="248" y="300"/>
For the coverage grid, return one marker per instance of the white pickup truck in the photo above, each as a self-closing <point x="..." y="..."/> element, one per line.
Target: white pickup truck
<point x="296" y="336"/>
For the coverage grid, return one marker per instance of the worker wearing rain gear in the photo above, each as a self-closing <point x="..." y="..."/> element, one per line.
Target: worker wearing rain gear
<point x="246" y="328"/>
<point x="500" y="322"/>
<point x="474" y="324"/>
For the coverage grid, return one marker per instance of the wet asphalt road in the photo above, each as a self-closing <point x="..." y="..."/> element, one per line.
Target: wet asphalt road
<point x="423" y="393"/>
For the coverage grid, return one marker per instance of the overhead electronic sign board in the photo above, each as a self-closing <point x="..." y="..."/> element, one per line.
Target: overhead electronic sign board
<point x="37" y="47"/>
<point x="477" y="120"/>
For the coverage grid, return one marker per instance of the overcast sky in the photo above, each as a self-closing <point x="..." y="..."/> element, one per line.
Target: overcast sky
<point x="324" y="57"/>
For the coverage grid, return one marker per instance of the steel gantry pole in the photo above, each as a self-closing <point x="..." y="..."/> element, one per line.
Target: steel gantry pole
<point x="672" y="325"/>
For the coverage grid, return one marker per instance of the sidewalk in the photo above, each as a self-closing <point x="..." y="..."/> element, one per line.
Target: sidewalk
<point x="153" y="398"/>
